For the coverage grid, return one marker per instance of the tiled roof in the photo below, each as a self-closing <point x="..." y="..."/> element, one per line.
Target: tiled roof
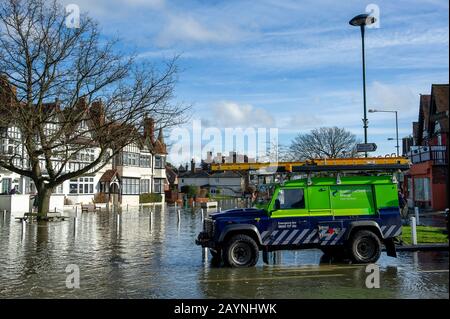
<point x="227" y="175"/>
<point x="440" y="97"/>
<point x="196" y="174"/>
<point x="439" y="106"/>
<point x="108" y="175"/>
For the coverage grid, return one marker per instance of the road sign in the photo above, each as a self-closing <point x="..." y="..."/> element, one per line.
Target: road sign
<point x="368" y="147"/>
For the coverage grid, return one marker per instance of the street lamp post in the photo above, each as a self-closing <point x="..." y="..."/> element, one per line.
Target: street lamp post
<point x="396" y="125"/>
<point x="361" y="21"/>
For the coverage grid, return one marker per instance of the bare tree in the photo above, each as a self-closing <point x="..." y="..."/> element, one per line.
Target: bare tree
<point x="324" y="142"/>
<point x="275" y="152"/>
<point x="66" y="90"/>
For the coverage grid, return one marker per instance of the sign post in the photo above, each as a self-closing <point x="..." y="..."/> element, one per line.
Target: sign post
<point x="366" y="147"/>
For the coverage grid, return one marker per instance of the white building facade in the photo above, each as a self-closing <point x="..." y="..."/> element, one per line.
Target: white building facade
<point x="137" y="169"/>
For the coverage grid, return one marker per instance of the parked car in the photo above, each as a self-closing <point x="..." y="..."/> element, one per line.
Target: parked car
<point x="352" y="216"/>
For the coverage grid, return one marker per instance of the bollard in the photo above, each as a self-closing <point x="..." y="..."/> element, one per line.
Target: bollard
<point x="413" y="230"/>
<point x="416" y="213"/>
<point x="23" y="228"/>
<point x="178" y="214"/>
<point x="74" y="225"/>
<point x="150" y="217"/>
<point x="203" y="214"/>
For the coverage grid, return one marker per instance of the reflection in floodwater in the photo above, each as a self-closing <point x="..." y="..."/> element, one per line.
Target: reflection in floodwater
<point x="151" y="253"/>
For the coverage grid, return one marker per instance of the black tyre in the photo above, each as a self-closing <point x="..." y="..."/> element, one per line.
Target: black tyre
<point x="241" y="251"/>
<point x="364" y="247"/>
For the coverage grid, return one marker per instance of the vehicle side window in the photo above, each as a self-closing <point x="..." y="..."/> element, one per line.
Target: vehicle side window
<point x="291" y="198"/>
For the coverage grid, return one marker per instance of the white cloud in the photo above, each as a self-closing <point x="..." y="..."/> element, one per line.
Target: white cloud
<point x="185" y="28"/>
<point x="231" y="114"/>
<point x="393" y="97"/>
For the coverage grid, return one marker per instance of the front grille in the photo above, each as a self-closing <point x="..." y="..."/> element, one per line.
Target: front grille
<point x="208" y="226"/>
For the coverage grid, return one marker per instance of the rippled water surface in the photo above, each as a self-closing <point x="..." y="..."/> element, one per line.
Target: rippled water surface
<point x="152" y="255"/>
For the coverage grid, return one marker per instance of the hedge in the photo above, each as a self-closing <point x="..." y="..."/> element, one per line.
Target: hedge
<point x="150" y="198"/>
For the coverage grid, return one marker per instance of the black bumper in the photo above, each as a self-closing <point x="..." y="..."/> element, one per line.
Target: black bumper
<point x="204" y="239"/>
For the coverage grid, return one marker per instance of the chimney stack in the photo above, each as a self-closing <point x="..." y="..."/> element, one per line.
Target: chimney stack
<point x="149" y="129"/>
<point x="98" y="112"/>
<point x="192" y="166"/>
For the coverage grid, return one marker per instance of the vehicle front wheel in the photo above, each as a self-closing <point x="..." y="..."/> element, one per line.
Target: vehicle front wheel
<point x="364" y="247"/>
<point x="241" y="251"/>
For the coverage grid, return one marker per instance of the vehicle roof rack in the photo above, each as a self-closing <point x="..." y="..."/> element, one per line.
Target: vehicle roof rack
<point x="323" y="165"/>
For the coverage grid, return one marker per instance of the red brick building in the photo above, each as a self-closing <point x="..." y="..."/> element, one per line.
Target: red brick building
<point x="426" y="183"/>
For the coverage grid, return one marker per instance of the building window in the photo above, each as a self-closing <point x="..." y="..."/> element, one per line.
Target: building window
<point x="58" y="189"/>
<point x="130" y="186"/>
<point x="82" y="185"/>
<point x="422" y="189"/>
<point x="130" y="159"/>
<point x="6" y="185"/>
<point x="159" y="162"/>
<point x="157" y="185"/>
<point x="145" y="186"/>
<point x="145" y="160"/>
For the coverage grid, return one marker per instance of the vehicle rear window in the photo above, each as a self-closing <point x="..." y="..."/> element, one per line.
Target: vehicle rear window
<point x="291" y="198"/>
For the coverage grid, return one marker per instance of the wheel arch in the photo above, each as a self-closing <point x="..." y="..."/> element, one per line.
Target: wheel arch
<point x="244" y="229"/>
<point x="364" y="225"/>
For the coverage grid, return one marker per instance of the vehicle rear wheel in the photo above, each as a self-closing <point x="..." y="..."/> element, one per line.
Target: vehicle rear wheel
<point x="365" y="247"/>
<point x="241" y="251"/>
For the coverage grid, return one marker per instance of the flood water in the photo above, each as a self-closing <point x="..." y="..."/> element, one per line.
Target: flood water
<point x="152" y="255"/>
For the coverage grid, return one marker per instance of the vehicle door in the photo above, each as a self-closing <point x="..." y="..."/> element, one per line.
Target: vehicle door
<point x="289" y="217"/>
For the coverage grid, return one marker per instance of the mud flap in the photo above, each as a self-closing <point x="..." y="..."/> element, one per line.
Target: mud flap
<point x="390" y="247"/>
<point x="265" y="256"/>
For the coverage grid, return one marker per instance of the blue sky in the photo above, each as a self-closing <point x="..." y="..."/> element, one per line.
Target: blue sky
<point x="294" y="65"/>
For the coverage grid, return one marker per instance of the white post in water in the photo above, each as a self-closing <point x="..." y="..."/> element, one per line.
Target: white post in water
<point x="23" y="228"/>
<point x="416" y="213"/>
<point x="118" y="222"/>
<point x="178" y="215"/>
<point x="150" y="217"/>
<point x="413" y="230"/>
<point x="203" y="214"/>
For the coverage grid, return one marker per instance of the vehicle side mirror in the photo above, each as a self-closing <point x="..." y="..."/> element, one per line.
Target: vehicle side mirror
<point x="277" y="205"/>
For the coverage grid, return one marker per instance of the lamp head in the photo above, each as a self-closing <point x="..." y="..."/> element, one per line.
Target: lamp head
<point x="362" y="20"/>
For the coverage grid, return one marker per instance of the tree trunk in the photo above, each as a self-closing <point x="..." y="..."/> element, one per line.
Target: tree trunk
<point x="43" y="204"/>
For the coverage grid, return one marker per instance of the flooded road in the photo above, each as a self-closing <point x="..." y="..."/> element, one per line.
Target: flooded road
<point x="152" y="255"/>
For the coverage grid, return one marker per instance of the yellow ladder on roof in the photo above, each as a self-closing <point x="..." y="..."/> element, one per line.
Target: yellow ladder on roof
<point x="325" y="162"/>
